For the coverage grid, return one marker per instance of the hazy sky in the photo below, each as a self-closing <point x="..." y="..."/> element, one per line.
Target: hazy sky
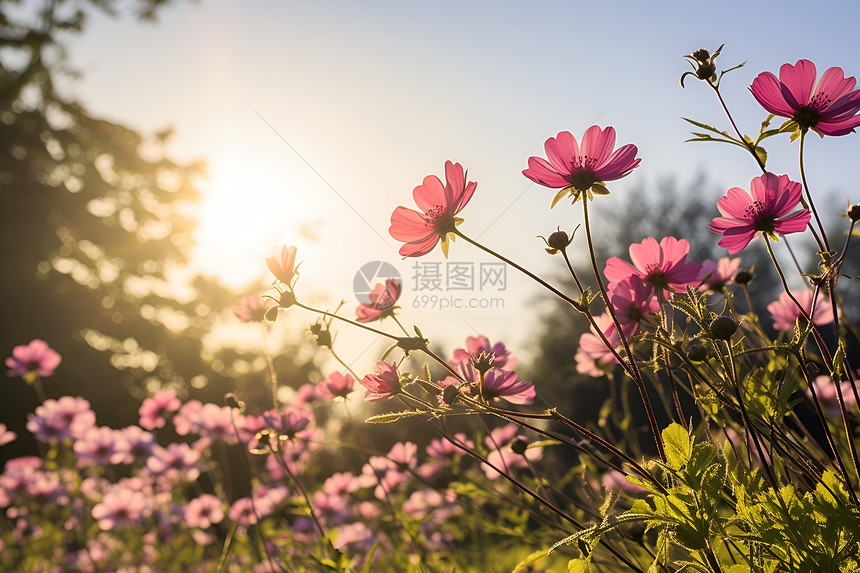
<point x="318" y="118"/>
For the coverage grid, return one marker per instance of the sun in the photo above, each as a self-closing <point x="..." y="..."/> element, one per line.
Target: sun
<point x="249" y="205"/>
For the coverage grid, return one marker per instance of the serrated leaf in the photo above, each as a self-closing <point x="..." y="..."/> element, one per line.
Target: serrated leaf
<point x="393" y="416"/>
<point x="677" y="445"/>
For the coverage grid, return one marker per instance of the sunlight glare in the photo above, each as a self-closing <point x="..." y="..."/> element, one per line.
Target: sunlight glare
<point x="248" y="206"/>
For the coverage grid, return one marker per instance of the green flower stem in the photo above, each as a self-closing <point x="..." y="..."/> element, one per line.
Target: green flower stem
<point x="347" y="320"/>
<point x="405" y="332"/>
<point x="572" y="272"/>
<point x="344" y="364"/>
<point x="546" y="503"/>
<point x="633" y="365"/>
<point x="270" y="365"/>
<point x="823" y="244"/>
<point x="758" y="160"/>
<point x="751" y="431"/>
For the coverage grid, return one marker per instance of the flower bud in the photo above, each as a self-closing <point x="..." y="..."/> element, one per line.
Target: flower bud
<point x="854" y="212"/>
<point x="696" y="351"/>
<point x="288" y="299"/>
<point x="231" y="400"/>
<point x="518" y="446"/>
<point x="743" y="277"/>
<point x="557" y="241"/>
<point x="450" y="394"/>
<point x="723" y="327"/>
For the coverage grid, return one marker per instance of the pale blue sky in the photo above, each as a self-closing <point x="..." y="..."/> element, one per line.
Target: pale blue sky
<point x="375" y="95"/>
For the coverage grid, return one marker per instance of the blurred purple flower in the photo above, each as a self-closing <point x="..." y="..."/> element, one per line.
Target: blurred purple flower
<point x="33" y="359"/>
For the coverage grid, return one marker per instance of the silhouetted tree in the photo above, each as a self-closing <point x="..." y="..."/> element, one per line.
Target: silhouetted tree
<point x="91" y="224"/>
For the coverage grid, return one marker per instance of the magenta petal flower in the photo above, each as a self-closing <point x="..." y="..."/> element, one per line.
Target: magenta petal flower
<point x="579" y="167"/>
<point x="253" y="308"/>
<point x="766" y="211"/>
<point x="828" y="107"/>
<point x="716" y="275"/>
<point x="438" y="205"/>
<point x="33" y="359"/>
<point x="384" y="384"/>
<point x="633" y="299"/>
<point x="662" y="264"/>
<point x="785" y="313"/>
<point x="505" y="384"/>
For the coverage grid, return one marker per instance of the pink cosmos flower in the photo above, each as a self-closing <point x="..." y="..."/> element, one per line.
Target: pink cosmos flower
<point x="253" y="308"/>
<point x="828" y="107"/>
<point x="662" y="264"/>
<point x="287" y="422"/>
<point x="204" y="511"/>
<point x="337" y="385"/>
<point x="576" y="168"/>
<point x="785" y="313"/>
<point x="825" y="389"/>
<point x="6" y="435"/>
<point x="121" y="506"/>
<point x="614" y="480"/>
<point x="33" y="359"/>
<point x="501" y="453"/>
<point x="382" y="299"/>
<point x="102" y="446"/>
<point x="66" y="417"/>
<point x="384" y="384"/>
<point x="283" y="266"/>
<point x="718" y="274"/>
<point x="593" y="357"/>
<point x="152" y="409"/>
<point x="766" y="212"/>
<point x="633" y="299"/>
<point x="477" y="345"/>
<point x="505" y="384"/>
<point x="438" y="205"/>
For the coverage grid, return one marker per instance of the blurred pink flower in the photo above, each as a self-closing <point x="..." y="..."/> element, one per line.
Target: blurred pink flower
<point x="614" y="480"/>
<point x="33" y="359"/>
<point x="592" y="356"/>
<point x="101" y="446"/>
<point x="443" y="449"/>
<point x="505" y="384"/>
<point x="337" y="385"/>
<point x="439" y="205"/>
<point x="577" y="167"/>
<point x="178" y="461"/>
<point x="253" y="308"/>
<point x="662" y="264"/>
<point x="718" y="274"/>
<point x="152" y="409"/>
<point x="765" y="212"/>
<point x="355" y="534"/>
<point x="288" y="421"/>
<point x="119" y="507"/>
<point x="382" y="299"/>
<point x="502" y="455"/>
<point x="283" y="266"/>
<point x="828" y="107"/>
<point x="204" y="511"/>
<point x="66" y="417"/>
<point x="6" y="435"/>
<point x="785" y="313"/>
<point x="384" y="384"/>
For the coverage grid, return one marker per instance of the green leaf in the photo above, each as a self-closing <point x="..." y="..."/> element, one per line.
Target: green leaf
<point x="523" y="565"/>
<point x="392" y="416"/>
<point x="761" y="154"/>
<point x="582" y="565"/>
<point x="678" y="445"/>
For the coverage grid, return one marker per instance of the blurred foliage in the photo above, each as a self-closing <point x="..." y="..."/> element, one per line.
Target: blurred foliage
<point x="94" y="222"/>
